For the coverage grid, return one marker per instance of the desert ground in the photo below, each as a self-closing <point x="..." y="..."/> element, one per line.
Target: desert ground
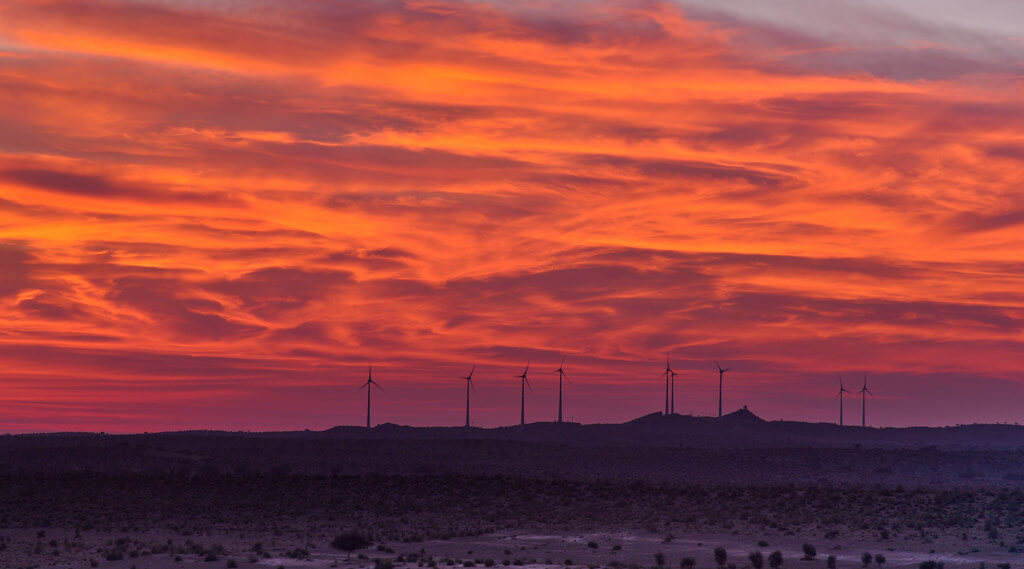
<point x="280" y="500"/>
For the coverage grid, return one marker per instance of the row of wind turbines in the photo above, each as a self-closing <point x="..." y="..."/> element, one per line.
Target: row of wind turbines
<point x="670" y="391"/>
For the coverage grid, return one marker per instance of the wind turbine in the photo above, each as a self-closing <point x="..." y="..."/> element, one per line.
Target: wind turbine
<point x="523" y="384"/>
<point x="721" y="372"/>
<point x="561" y="375"/>
<point x="370" y="383"/>
<point x="469" y="383"/>
<point x="842" y="390"/>
<point x="864" y="392"/>
<point x="670" y="380"/>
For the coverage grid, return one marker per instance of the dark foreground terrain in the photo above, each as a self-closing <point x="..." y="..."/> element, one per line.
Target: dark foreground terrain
<point x="438" y="499"/>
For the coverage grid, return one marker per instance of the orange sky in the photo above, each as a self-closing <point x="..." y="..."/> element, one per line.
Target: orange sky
<point x="212" y="216"/>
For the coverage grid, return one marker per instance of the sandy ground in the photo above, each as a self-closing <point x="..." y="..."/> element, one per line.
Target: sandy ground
<point x="61" y="548"/>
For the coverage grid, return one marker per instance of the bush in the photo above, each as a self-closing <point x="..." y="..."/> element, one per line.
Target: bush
<point x="232" y="564"/>
<point x="756" y="559"/>
<point x="687" y="563"/>
<point x="867" y="558"/>
<point x="720" y="556"/>
<point x="592" y="544"/>
<point x="775" y="559"/>
<point x="879" y="559"/>
<point x="659" y="559"/>
<point x="831" y="562"/>
<point x="809" y="552"/>
<point x="350" y="541"/>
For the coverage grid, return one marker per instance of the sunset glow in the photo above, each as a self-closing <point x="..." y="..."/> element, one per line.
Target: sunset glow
<point x="213" y="215"/>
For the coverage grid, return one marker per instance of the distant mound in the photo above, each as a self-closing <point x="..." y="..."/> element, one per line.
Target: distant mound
<point x="743" y="416"/>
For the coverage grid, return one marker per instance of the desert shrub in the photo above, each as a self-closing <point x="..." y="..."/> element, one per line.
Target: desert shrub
<point x="592" y="544"/>
<point x="617" y="547"/>
<point x="930" y="564"/>
<point x="762" y="543"/>
<point x="775" y="559"/>
<point x="349" y="541"/>
<point x="687" y="563"/>
<point x="232" y="564"/>
<point x="879" y="559"/>
<point x="809" y="552"/>
<point x="720" y="556"/>
<point x="867" y="558"/>
<point x="383" y="564"/>
<point x="659" y="559"/>
<point x="210" y="557"/>
<point x="756" y="559"/>
<point x="830" y="562"/>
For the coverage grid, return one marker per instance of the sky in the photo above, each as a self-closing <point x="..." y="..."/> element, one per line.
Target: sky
<point x="214" y="215"/>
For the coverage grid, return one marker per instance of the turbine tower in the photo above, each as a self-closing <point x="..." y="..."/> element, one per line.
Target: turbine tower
<point x="864" y="392"/>
<point x="721" y="372"/>
<point x="561" y="375"/>
<point x="523" y="384"/>
<point x="842" y="390"/>
<point x="370" y="383"/>
<point x="469" y="383"/>
<point x="670" y="388"/>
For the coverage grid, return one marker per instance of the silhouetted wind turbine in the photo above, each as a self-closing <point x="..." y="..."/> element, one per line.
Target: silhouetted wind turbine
<point x="842" y="390"/>
<point x="561" y="374"/>
<point x="523" y="384"/>
<point x="864" y="392"/>
<point x="670" y="388"/>
<point x="721" y="372"/>
<point x="368" y="385"/>
<point x="469" y="383"/>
